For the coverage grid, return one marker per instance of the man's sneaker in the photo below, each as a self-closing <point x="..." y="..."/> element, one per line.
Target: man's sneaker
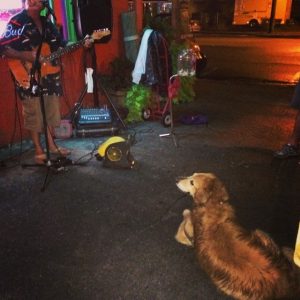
<point x="287" y="151"/>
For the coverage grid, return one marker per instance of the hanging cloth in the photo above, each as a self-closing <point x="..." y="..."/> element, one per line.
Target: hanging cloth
<point x="158" y="64"/>
<point x="140" y="63"/>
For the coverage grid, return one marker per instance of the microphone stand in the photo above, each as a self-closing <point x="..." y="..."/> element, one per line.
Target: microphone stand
<point x="36" y="89"/>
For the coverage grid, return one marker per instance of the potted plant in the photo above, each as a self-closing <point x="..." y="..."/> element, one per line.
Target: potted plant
<point x="118" y="81"/>
<point x="137" y="98"/>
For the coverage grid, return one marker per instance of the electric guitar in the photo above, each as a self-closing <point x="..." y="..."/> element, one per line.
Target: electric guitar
<point x="21" y="70"/>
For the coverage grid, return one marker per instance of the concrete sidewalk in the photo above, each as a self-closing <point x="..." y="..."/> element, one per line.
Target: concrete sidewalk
<point x="100" y="233"/>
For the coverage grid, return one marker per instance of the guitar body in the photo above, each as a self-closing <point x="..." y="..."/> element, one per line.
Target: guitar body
<point x="48" y="67"/>
<point x="22" y="70"/>
<point x="19" y="72"/>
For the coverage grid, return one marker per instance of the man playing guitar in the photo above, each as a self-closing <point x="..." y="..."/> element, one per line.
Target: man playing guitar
<point x="19" y="42"/>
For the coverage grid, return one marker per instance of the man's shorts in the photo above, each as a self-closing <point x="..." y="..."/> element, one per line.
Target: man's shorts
<point x="295" y="103"/>
<point x="33" y="118"/>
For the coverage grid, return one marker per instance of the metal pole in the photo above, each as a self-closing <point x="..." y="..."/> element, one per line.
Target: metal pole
<point x="175" y="17"/>
<point x="272" y="16"/>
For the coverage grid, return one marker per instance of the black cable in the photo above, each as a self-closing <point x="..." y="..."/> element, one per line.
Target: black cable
<point x="19" y="122"/>
<point x="65" y="97"/>
<point x="76" y="162"/>
<point x="14" y="128"/>
<point x="91" y="153"/>
<point x="156" y="222"/>
<point x="16" y="118"/>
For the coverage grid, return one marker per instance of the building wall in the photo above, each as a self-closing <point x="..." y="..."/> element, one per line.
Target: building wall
<point x="11" y="122"/>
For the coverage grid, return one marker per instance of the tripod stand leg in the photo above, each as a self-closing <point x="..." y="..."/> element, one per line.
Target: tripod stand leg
<point x="172" y="125"/>
<point x="79" y="104"/>
<point x="171" y="133"/>
<point x="112" y="104"/>
<point x="43" y="188"/>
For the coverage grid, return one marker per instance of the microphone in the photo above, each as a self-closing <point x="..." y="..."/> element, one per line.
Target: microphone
<point x="49" y="8"/>
<point x="45" y="2"/>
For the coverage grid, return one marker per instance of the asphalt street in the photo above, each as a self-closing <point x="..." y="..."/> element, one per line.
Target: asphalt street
<point x="104" y="233"/>
<point x="268" y="58"/>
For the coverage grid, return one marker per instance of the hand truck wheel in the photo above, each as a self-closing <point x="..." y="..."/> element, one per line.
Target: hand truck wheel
<point x="146" y="114"/>
<point x="166" y="119"/>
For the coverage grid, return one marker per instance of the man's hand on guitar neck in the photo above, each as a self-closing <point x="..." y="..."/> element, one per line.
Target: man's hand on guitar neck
<point x="96" y="35"/>
<point x="88" y="43"/>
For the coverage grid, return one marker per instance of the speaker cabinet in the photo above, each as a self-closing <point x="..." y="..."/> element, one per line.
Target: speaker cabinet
<point x="90" y="15"/>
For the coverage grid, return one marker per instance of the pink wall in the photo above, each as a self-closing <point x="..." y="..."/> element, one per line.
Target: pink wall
<point x="73" y="79"/>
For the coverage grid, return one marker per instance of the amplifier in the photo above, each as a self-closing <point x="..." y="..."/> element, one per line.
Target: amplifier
<point x="94" y="116"/>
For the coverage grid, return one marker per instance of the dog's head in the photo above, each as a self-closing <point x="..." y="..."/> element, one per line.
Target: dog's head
<point x="204" y="187"/>
<point x="185" y="232"/>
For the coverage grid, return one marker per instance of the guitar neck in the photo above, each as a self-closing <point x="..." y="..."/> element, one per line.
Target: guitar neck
<point x="64" y="50"/>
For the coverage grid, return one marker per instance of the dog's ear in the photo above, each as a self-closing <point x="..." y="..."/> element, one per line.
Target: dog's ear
<point x="212" y="188"/>
<point x="203" y="191"/>
<point x="219" y="191"/>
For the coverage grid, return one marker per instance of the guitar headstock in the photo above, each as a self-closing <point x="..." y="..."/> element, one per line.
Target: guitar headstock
<point x="100" y="33"/>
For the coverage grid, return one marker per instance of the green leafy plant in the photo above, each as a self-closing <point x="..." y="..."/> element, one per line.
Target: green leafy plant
<point x="137" y="98"/>
<point x="120" y="75"/>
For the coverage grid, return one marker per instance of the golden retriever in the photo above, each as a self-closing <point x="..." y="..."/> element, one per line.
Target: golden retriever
<point x="244" y="265"/>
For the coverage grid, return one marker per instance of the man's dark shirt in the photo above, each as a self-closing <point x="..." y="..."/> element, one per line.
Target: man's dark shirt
<point x="23" y="35"/>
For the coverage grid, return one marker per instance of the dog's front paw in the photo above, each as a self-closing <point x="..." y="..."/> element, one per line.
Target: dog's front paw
<point x="185" y="232"/>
